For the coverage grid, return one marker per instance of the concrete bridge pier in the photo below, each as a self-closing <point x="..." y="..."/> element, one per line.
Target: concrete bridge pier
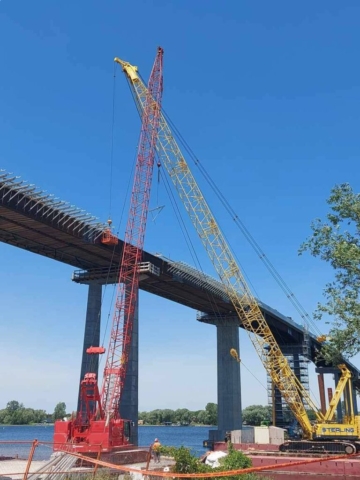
<point x="90" y="363"/>
<point x="228" y="375"/>
<point x="129" y="406"/>
<point x="228" y="380"/>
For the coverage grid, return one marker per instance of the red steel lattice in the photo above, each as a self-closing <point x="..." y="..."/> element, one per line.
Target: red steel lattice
<point x="128" y="284"/>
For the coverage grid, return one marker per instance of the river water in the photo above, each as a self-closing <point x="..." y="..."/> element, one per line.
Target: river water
<point x="191" y="437"/>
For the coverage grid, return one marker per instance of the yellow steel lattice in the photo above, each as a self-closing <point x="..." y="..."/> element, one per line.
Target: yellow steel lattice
<point x="245" y="304"/>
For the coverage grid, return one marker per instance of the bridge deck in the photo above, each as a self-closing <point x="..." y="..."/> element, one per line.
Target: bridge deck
<point x="42" y="224"/>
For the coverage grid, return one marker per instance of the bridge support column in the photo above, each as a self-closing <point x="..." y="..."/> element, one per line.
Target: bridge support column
<point x="228" y="376"/>
<point x="90" y="363"/>
<point x="275" y="401"/>
<point x="129" y="406"/>
<point x="298" y="362"/>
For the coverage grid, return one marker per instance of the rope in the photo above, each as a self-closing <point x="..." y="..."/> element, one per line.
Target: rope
<point x="217" y="474"/>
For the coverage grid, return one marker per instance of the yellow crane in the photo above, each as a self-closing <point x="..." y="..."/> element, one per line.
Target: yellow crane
<point x="324" y="430"/>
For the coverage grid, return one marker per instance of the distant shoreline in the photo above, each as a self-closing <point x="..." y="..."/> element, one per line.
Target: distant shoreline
<point x="28" y="425"/>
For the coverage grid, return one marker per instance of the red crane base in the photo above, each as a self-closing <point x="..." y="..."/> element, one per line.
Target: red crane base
<point x="92" y="438"/>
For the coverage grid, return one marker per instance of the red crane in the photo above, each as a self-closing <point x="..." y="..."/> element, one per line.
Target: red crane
<point x="98" y="426"/>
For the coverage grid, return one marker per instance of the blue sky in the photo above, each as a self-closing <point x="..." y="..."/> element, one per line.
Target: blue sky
<point x="267" y="95"/>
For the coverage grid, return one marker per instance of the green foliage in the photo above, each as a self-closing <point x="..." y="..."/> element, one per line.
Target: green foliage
<point x="181" y="416"/>
<point x="211" y="413"/>
<point x="311" y="415"/>
<point x="16" y="414"/>
<point x="337" y="242"/>
<point x="60" y="411"/>
<point x="255" y="414"/>
<point x="167" y="451"/>
<point x="185" y="462"/>
<point x="235" y="459"/>
<point x="14" y="406"/>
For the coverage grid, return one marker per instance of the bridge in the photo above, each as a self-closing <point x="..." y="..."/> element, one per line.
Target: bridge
<point x="42" y="224"/>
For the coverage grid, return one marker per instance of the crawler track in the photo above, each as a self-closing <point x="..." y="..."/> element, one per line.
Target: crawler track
<point x="319" y="447"/>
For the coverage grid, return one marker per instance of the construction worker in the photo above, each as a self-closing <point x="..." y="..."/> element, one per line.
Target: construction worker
<point x="156" y="450"/>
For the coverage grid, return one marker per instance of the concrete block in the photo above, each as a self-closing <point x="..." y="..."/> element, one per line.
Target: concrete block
<point x="247" y="435"/>
<point x="276" y="435"/>
<point x="261" y="435"/>
<point x="236" y="436"/>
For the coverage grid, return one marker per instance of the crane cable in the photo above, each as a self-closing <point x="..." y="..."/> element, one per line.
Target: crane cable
<point x="196" y="260"/>
<point x="233" y="352"/>
<point x="112" y="141"/>
<point x="233" y="215"/>
<point x="185" y="232"/>
<point x="131" y="175"/>
<point x="187" y="238"/>
<point x="179" y="215"/>
<point x="92" y="359"/>
<point x="112" y="129"/>
<point x="254" y="244"/>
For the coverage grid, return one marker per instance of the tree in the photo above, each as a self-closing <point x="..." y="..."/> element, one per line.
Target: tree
<point x="60" y="411"/>
<point x="16" y="414"/>
<point x="337" y="242"/>
<point x="182" y="415"/>
<point x="167" y="415"/>
<point x="211" y="413"/>
<point x="40" y="416"/>
<point x="255" y="414"/>
<point x="199" y="417"/>
<point x="13" y="405"/>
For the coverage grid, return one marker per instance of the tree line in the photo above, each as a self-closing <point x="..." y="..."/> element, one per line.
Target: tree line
<point x="181" y="416"/>
<point x="252" y="415"/>
<point x="15" y="413"/>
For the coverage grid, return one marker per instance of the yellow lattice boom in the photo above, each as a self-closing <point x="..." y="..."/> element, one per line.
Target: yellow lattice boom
<point x="250" y="316"/>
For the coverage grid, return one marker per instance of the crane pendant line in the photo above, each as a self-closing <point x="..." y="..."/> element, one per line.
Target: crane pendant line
<point x="128" y="284"/>
<point x="245" y="304"/>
